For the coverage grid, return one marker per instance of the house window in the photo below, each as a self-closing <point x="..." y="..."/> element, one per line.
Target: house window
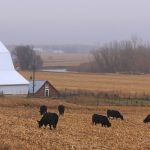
<point x="47" y="92"/>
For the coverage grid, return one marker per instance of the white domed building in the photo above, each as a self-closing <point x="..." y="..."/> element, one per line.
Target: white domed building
<point x="11" y="82"/>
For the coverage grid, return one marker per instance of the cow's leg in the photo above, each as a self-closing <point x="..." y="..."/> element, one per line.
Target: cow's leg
<point x="50" y="127"/>
<point x="45" y="125"/>
<point x="54" y="126"/>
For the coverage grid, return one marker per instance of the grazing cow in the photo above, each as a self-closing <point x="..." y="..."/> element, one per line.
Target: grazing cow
<point x="114" y="114"/>
<point x="61" y="109"/>
<point x="101" y="119"/>
<point x="50" y="119"/>
<point x="43" y="109"/>
<point x="147" y="119"/>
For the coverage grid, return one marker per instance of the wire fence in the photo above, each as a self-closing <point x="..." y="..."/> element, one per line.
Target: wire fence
<point x="105" y="97"/>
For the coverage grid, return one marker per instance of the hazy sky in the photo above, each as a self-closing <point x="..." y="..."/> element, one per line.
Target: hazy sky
<point x="73" y="21"/>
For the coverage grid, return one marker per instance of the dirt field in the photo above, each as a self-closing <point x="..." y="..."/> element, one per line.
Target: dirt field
<point x="96" y="82"/>
<point x="19" y="130"/>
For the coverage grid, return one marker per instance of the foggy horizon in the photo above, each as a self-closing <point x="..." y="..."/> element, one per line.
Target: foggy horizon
<point x="73" y="22"/>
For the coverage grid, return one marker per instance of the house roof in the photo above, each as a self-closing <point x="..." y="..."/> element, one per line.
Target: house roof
<point x="8" y="75"/>
<point x="37" y="85"/>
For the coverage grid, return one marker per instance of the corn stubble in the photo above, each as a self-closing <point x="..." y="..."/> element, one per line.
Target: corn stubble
<point x="19" y="129"/>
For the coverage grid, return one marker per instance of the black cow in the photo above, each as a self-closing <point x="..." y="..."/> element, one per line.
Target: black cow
<point x="50" y="119"/>
<point x="114" y="114"/>
<point x="147" y="119"/>
<point x="61" y="109"/>
<point x="43" y="109"/>
<point x="100" y="119"/>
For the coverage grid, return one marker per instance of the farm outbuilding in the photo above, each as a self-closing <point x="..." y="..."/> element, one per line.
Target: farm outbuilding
<point x="11" y="82"/>
<point x="42" y="88"/>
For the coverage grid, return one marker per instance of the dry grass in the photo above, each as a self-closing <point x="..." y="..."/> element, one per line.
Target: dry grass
<point x="96" y="82"/>
<point x="65" y="59"/>
<point x="18" y="127"/>
<point x="5" y="146"/>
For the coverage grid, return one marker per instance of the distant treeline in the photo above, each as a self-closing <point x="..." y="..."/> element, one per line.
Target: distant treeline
<point x="66" y="48"/>
<point x="130" y="56"/>
<point x="71" y="48"/>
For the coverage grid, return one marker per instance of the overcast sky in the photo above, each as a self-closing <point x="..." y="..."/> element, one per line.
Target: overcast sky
<point x="73" y="21"/>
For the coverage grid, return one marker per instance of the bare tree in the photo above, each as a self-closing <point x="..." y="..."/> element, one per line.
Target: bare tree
<point x="27" y="57"/>
<point x="130" y="56"/>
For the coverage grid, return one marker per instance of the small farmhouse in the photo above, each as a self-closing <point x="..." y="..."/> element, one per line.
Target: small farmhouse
<point x="11" y="82"/>
<point x="42" y="88"/>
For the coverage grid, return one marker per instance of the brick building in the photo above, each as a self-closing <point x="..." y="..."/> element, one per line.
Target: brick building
<point x="42" y="88"/>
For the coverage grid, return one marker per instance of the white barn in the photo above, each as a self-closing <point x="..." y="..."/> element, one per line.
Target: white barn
<point x="11" y="82"/>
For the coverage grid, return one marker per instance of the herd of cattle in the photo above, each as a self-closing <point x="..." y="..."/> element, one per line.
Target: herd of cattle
<point x="51" y="119"/>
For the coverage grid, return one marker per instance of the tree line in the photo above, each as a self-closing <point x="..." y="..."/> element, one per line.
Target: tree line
<point x="129" y="56"/>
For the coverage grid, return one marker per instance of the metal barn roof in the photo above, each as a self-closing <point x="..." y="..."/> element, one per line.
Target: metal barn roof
<point x="37" y="85"/>
<point x="11" y="77"/>
<point x="8" y="75"/>
<point x="5" y="59"/>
